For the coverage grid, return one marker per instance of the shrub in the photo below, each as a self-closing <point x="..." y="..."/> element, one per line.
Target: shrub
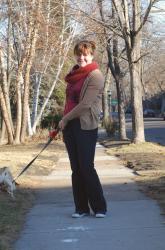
<point x="51" y="121"/>
<point x="110" y="126"/>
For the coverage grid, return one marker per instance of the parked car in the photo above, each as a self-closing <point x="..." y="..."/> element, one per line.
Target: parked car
<point x="149" y="113"/>
<point x="101" y="115"/>
<point x="163" y="115"/>
<point x="128" y="110"/>
<point x="115" y="116"/>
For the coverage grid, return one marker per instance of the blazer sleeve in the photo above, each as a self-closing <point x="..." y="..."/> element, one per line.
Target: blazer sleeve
<point x="93" y="90"/>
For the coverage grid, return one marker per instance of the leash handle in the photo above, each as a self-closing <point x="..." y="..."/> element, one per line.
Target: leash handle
<point x="29" y="164"/>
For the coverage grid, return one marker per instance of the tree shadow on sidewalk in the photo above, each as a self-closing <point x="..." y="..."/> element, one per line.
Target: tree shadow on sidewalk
<point x="112" y="142"/>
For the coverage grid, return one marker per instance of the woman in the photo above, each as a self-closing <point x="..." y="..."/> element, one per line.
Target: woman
<point x="80" y="127"/>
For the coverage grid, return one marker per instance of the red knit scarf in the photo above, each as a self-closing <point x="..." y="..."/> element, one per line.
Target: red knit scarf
<point x="78" y="73"/>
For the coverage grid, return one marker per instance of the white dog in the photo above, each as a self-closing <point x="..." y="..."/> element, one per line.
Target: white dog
<point x="6" y="180"/>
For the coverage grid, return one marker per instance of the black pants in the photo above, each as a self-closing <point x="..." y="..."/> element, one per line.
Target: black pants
<point x="86" y="185"/>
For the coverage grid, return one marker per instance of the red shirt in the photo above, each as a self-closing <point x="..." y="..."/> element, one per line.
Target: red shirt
<point x="72" y="95"/>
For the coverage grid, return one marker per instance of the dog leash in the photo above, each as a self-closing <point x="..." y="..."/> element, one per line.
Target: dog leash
<point x="30" y="163"/>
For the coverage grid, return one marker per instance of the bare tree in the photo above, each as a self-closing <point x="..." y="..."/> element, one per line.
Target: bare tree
<point x="39" y="33"/>
<point x="64" y="41"/>
<point x="31" y="41"/>
<point x="112" y="49"/>
<point x="130" y="20"/>
<point x="4" y="95"/>
<point x="131" y="24"/>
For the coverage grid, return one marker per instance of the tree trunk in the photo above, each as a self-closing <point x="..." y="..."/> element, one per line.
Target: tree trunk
<point x="25" y="101"/>
<point x="163" y="103"/>
<point x="37" y="84"/>
<point x="118" y="76"/>
<point x="107" y="117"/>
<point x="105" y="96"/>
<point x="122" y="125"/>
<point x="30" y="132"/>
<point x="27" y="83"/>
<point x="19" y="83"/>
<point x="135" y="76"/>
<point x="5" y="88"/>
<point x="6" y="117"/>
<point x="121" y="110"/>
<point x="136" y="94"/>
<point x="3" y="132"/>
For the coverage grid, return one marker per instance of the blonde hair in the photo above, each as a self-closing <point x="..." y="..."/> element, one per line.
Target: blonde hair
<point x="84" y="47"/>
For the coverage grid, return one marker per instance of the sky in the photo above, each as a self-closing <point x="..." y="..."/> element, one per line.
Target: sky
<point x="159" y="17"/>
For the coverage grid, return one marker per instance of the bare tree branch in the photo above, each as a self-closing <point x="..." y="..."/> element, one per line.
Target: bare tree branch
<point x="108" y="26"/>
<point x="151" y="3"/>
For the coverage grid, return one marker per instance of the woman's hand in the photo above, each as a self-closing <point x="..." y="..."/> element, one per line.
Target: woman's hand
<point x="61" y="125"/>
<point x="53" y="133"/>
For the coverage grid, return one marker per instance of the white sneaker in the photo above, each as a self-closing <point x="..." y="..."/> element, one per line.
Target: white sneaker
<point x="79" y="215"/>
<point x="100" y="215"/>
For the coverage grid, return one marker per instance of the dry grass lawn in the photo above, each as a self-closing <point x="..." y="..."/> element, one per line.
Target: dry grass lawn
<point x="148" y="162"/>
<point x="12" y="212"/>
<point x="12" y="215"/>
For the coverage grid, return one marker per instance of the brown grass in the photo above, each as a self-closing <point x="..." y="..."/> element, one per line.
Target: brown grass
<point x="148" y="162"/>
<point x="12" y="212"/>
<point x="140" y="157"/>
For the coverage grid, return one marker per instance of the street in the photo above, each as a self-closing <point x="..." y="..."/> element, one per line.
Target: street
<point x="154" y="129"/>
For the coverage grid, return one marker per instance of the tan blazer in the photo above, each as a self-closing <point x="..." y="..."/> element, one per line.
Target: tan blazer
<point x="90" y="102"/>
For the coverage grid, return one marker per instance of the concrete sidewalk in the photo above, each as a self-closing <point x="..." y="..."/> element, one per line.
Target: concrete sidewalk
<point x="133" y="220"/>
